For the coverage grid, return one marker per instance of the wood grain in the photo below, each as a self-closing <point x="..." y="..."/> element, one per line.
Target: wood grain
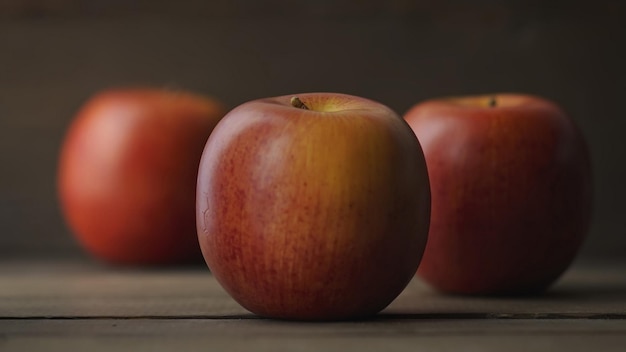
<point x="76" y="306"/>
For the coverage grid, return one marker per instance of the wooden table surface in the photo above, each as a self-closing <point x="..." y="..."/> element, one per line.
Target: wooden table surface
<point x="74" y="305"/>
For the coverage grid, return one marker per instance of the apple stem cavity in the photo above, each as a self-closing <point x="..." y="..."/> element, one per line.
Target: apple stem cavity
<point x="492" y="101"/>
<point x="297" y="103"/>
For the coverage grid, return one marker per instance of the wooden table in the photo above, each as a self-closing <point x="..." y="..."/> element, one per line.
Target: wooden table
<point x="76" y="305"/>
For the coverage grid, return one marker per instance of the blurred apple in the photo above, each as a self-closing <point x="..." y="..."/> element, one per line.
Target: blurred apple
<point x="313" y="208"/>
<point x="511" y="192"/>
<point x="127" y="174"/>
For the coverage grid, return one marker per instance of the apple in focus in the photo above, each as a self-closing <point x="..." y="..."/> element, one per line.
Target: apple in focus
<point x="511" y="192"/>
<point x="313" y="207"/>
<point x="127" y="174"/>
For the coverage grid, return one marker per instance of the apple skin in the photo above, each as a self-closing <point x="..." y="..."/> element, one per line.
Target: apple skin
<point x="127" y="174"/>
<point x="317" y="214"/>
<point x="511" y="192"/>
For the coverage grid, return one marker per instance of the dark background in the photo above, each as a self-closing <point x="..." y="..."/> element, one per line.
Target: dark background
<point x="54" y="54"/>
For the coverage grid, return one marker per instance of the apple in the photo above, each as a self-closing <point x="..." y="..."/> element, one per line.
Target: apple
<point x="313" y="207"/>
<point x="511" y="192"/>
<point x="127" y="174"/>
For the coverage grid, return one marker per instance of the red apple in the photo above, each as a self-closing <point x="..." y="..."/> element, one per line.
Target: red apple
<point x="127" y="174"/>
<point x="511" y="192"/>
<point x="314" y="208"/>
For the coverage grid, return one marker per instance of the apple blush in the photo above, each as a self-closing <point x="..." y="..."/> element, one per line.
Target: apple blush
<point x="313" y="207"/>
<point x="511" y="192"/>
<point x="127" y="174"/>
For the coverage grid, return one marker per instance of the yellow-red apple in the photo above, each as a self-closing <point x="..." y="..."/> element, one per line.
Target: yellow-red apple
<point x="128" y="170"/>
<point x="313" y="207"/>
<point x="511" y="192"/>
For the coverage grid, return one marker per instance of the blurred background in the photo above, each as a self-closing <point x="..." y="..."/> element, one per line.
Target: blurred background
<point x="54" y="54"/>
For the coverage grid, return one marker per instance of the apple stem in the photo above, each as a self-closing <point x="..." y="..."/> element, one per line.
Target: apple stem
<point x="492" y="101"/>
<point x="297" y="103"/>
